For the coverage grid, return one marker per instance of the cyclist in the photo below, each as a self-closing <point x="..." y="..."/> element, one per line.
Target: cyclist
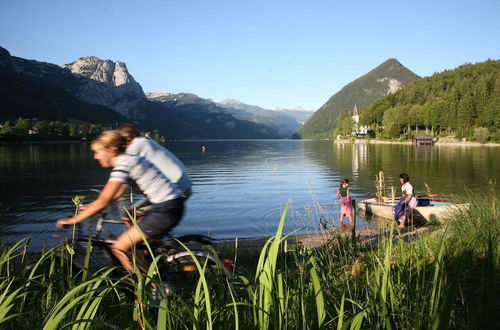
<point x="167" y="204"/>
<point x="162" y="158"/>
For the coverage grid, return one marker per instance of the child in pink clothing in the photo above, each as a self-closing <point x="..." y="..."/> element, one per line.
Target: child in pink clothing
<point x="344" y="194"/>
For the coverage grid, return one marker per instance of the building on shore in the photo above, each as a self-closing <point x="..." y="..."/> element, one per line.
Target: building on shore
<point x="357" y="129"/>
<point x="422" y="140"/>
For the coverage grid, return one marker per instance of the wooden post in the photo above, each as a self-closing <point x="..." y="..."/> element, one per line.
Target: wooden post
<point x="353" y="230"/>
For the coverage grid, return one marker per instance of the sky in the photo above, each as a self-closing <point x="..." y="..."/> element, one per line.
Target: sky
<point x="274" y="54"/>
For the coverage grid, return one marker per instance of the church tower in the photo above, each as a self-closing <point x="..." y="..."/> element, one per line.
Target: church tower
<point x="355" y="114"/>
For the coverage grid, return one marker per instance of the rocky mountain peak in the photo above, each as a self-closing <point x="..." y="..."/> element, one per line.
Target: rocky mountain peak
<point x="105" y="71"/>
<point x="393" y="85"/>
<point x="230" y="102"/>
<point x="158" y="95"/>
<point x="108" y="83"/>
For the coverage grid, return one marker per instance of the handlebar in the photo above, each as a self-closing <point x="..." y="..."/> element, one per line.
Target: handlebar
<point x="140" y="205"/>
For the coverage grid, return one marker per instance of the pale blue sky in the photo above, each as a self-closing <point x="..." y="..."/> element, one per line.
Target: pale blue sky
<point x="267" y="53"/>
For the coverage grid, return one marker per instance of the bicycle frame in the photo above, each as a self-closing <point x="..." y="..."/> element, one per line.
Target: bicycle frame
<point x="171" y="248"/>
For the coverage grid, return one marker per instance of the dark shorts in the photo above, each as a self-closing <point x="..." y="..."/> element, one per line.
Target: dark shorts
<point x="162" y="217"/>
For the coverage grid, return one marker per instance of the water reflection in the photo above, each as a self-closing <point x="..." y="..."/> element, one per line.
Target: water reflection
<point x="241" y="187"/>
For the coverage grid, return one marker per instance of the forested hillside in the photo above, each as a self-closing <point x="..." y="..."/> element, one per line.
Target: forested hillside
<point x="461" y="102"/>
<point x="385" y="79"/>
<point x="21" y="96"/>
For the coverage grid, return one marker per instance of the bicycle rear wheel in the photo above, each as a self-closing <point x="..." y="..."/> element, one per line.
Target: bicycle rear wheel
<point x="182" y="272"/>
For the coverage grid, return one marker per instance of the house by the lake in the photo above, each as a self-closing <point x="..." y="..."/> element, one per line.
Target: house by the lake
<point x="423" y="140"/>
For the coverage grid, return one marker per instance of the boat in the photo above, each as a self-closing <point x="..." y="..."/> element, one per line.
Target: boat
<point x="428" y="209"/>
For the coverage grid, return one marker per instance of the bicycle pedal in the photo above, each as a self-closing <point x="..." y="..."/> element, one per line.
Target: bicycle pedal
<point x="157" y="295"/>
<point x="169" y="289"/>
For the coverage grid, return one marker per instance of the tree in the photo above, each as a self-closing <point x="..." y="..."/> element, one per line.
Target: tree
<point x="7" y="129"/>
<point x="94" y="130"/>
<point x="42" y="128"/>
<point x="490" y="116"/>
<point x="394" y="119"/>
<point x="22" y="127"/>
<point x="344" y="123"/>
<point x="481" y="134"/>
<point x="415" y="116"/>
<point x="73" y="130"/>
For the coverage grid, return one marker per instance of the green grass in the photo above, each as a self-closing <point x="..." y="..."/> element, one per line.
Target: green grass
<point x="445" y="278"/>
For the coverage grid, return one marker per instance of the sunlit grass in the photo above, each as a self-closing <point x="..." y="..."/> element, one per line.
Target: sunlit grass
<point x="445" y="278"/>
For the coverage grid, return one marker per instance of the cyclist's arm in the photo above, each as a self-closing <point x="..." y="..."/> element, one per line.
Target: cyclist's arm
<point x="108" y="194"/>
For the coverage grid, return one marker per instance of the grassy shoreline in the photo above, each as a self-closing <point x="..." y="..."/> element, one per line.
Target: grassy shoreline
<point x="446" y="278"/>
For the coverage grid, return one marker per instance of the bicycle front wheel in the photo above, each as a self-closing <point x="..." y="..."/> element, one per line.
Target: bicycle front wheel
<point x="93" y="257"/>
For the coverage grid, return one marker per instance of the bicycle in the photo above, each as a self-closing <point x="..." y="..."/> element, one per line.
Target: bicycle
<point x="176" y="268"/>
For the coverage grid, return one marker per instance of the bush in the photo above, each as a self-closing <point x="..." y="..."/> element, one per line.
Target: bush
<point x="495" y="136"/>
<point x="481" y="134"/>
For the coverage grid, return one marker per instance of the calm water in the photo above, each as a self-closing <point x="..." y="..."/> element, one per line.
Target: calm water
<point x="241" y="187"/>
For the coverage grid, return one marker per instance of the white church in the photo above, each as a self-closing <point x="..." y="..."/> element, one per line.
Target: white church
<point x="358" y="129"/>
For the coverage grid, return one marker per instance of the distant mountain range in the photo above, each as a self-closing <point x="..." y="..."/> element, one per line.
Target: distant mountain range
<point x="95" y="90"/>
<point x="272" y="123"/>
<point x="385" y="79"/>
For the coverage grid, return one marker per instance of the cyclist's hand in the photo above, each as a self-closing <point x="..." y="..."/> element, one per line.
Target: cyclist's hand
<point x="63" y="224"/>
<point x="126" y="221"/>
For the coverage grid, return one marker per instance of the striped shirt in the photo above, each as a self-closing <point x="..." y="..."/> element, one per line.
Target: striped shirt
<point x="150" y="180"/>
<point x="166" y="161"/>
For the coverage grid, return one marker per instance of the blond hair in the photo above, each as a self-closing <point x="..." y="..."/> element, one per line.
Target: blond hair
<point x="109" y="140"/>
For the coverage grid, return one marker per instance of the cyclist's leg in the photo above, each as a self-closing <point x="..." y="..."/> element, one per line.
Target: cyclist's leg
<point x="122" y="246"/>
<point x="155" y="224"/>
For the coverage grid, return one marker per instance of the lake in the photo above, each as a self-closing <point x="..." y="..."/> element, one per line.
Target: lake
<point x="240" y="186"/>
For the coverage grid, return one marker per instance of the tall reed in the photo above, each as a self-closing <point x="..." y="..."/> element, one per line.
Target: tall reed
<point x="444" y="278"/>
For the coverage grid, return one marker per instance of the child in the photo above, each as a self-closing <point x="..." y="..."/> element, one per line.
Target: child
<point x="344" y="194"/>
<point x="403" y="211"/>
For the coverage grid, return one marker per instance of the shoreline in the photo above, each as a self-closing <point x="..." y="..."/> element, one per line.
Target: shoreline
<point x="356" y="141"/>
<point x="34" y="142"/>
<point x="436" y="144"/>
<point x="315" y="240"/>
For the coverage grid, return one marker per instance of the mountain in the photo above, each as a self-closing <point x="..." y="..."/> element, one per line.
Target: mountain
<point x="285" y="121"/>
<point x="385" y="79"/>
<point x="28" y="96"/>
<point x="464" y="102"/>
<point x="298" y="113"/>
<point x="206" y="119"/>
<point x="89" y="89"/>
<point x="90" y="80"/>
<point x="107" y="83"/>
<point x="229" y="113"/>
